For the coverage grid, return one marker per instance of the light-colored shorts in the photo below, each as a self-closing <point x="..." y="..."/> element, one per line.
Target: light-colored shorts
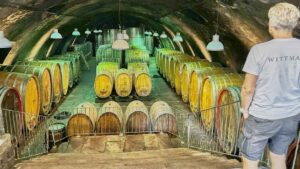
<point x="277" y="134"/>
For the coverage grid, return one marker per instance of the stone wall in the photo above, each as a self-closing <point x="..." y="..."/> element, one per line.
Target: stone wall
<point x="7" y="156"/>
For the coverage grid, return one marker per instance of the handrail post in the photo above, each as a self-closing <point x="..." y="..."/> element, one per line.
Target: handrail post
<point x="189" y="131"/>
<point x="296" y="151"/>
<point x="2" y="130"/>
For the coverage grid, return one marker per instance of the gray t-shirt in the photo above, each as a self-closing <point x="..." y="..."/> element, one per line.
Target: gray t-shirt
<point x="277" y="66"/>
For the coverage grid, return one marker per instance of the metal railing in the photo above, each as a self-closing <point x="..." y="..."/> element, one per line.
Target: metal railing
<point x="216" y="130"/>
<point x="219" y="130"/>
<point x="28" y="133"/>
<point x="114" y="121"/>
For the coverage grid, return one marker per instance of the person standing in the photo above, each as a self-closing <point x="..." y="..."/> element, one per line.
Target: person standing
<point x="270" y="96"/>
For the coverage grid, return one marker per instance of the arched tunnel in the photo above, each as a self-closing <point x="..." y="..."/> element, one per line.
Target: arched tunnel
<point x="29" y="25"/>
<point x="242" y="23"/>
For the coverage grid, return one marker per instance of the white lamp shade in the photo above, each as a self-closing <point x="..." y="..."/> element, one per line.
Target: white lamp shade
<point x="163" y="35"/>
<point x="100" y="31"/>
<point x="120" y="43"/>
<point x="87" y="32"/>
<point x="76" y="32"/>
<point x="96" y="31"/>
<point x="178" y="38"/>
<point x="149" y="33"/>
<point x="55" y="35"/>
<point x="125" y="35"/>
<point x="4" y="43"/>
<point x="156" y="34"/>
<point x="215" y="44"/>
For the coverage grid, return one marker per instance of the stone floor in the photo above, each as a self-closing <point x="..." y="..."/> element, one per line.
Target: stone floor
<point x="116" y="143"/>
<point x="179" y="158"/>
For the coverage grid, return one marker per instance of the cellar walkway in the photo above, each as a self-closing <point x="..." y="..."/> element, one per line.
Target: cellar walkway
<point x="179" y="158"/>
<point x="112" y="152"/>
<point x="84" y="92"/>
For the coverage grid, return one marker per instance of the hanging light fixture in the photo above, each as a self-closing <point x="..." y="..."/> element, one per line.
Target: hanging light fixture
<point x="87" y="31"/>
<point x="56" y="35"/>
<point x="4" y="43"/>
<point x="150" y="33"/>
<point x="163" y="35"/>
<point x="215" y="44"/>
<point x="155" y="34"/>
<point x="76" y="32"/>
<point x="125" y="35"/>
<point x="100" y="31"/>
<point x="178" y="38"/>
<point x="120" y="43"/>
<point x="95" y="31"/>
<point x="146" y="33"/>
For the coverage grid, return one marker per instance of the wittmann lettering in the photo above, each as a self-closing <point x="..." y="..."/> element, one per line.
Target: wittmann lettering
<point x="283" y="58"/>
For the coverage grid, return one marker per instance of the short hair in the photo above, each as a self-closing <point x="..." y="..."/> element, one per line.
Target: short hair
<point x="284" y="16"/>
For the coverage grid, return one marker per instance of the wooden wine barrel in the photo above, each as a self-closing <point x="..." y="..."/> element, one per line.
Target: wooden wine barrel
<point x="196" y="79"/>
<point x="169" y="69"/>
<point x="104" y="81"/>
<point x="55" y="76"/>
<point x="28" y="87"/>
<point x="178" y="65"/>
<point x="142" y="83"/>
<point x="136" y="67"/>
<point x="10" y="112"/>
<point x="136" y="118"/>
<point x="228" y="118"/>
<point x="137" y="55"/>
<point x="186" y="73"/>
<point x="82" y="122"/>
<point x="211" y="86"/>
<point x="45" y="83"/>
<point x="66" y="72"/>
<point x="162" y="118"/>
<point x="103" y="84"/>
<point x="110" y="119"/>
<point x="74" y="67"/>
<point x="123" y="82"/>
<point x="57" y="133"/>
<point x="141" y="78"/>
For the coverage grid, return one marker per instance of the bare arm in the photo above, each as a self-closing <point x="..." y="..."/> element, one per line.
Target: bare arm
<point x="247" y="92"/>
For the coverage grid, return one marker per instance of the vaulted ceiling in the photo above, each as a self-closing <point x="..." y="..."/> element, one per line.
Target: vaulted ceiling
<point x="242" y="23"/>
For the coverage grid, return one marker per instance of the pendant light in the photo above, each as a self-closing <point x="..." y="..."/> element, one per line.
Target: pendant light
<point x="4" y="43"/>
<point x="178" y="38"/>
<point x="150" y="33"/>
<point x="76" y="32"/>
<point x="95" y="31"/>
<point x="87" y="31"/>
<point x="120" y="43"/>
<point x="163" y="35"/>
<point x="215" y="44"/>
<point x="125" y="35"/>
<point x="56" y="35"/>
<point x="155" y="34"/>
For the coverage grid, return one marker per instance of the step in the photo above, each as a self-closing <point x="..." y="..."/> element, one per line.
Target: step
<point x="157" y="159"/>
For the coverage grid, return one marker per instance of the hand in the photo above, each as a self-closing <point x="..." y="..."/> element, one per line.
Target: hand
<point x="245" y="115"/>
